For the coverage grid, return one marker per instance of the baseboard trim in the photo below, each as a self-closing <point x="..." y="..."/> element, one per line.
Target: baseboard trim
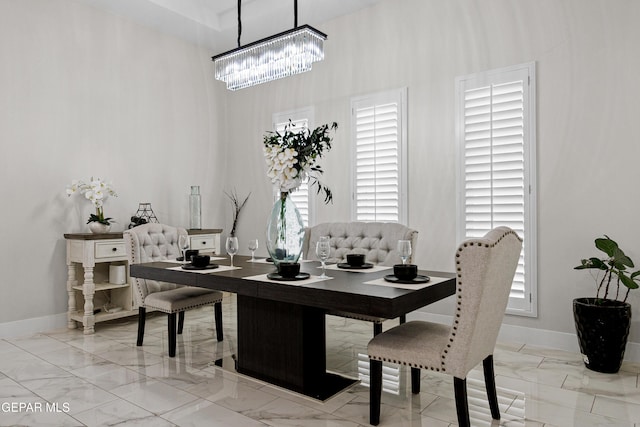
<point x="508" y="333"/>
<point x="535" y="337"/>
<point x="26" y="327"/>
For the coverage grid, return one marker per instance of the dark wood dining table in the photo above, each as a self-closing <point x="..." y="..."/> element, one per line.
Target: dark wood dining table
<point x="281" y="325"/>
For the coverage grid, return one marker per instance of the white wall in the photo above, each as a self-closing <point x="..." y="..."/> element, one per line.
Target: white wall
<point x="85" y="92"/>
<point x="588" y="91"/>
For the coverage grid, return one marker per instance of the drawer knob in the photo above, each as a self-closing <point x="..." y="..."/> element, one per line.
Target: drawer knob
<point x="204" y="243"/>
<point x="114" y="249"/>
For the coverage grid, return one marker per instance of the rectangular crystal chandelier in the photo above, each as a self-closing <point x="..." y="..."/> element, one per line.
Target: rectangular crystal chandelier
<point x="290" y="52"/>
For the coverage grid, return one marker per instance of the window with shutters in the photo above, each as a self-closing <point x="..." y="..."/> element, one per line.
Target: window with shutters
<point x="378" y="124"/>
<point x="496" y="185"/>
<point x="302" y="119"/>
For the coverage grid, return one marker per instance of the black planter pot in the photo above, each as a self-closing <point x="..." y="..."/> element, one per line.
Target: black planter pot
<point x="603" y="330"/>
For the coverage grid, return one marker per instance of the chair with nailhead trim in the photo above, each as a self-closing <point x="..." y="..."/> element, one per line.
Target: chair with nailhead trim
<point x="485" y="270"/>
<point x="158" y="242"/>
<point x="378" y="241"/>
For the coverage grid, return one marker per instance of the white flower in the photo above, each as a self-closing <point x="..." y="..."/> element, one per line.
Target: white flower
<point x="281" y="167"/>
<point x="96" y="191"/>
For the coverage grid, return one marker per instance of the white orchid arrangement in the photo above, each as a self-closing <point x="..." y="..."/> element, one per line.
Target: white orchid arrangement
<point x="96" y="191"/>
<point x="293" y="156"/>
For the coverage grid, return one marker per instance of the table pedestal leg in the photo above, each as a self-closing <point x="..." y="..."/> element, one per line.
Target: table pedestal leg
<point x="284" y="344"/>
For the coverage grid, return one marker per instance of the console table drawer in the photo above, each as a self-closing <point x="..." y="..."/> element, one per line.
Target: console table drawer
<point x="203" y="242"/>
<point x="110" y="250"/>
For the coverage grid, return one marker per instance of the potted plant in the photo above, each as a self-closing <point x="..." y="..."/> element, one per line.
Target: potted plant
<point x="602" y="323"/>
<point x="96" y="191"/>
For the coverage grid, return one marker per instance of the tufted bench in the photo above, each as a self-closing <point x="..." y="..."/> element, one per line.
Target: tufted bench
<point x="377" y="240"/>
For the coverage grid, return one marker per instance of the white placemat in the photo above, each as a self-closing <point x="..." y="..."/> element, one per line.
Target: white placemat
<point x="207" y="271"/>
<point x="175" y="261"/>
<point x="358" y="270"/>
<point x="410" y="286"/>
<point x="264" y="278"/>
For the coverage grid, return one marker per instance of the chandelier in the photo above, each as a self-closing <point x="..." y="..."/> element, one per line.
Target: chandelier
<point x="281" y="55"/>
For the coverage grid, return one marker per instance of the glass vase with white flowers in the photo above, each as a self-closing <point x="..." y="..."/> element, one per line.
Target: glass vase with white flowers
<point x="292" y="156"/>
<point x="95" y="191"/>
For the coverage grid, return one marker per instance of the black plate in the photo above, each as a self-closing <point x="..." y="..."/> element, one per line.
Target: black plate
<point x="276" y="276"/>
<point x="193" y="267"/>
<point x="355" y="267"/>
<point x="418" y="279"/>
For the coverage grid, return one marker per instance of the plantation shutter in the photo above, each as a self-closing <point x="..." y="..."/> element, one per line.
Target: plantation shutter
<point x="301" y="195"/>
<point x="495" y="133"/>
<point x="378" y="181"/>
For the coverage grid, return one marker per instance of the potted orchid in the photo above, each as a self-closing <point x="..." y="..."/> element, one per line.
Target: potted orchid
<point x="292" y="157"/>
<point x="96" y="191"/>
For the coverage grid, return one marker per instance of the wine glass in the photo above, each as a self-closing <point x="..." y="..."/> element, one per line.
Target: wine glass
<point x="183" y="244"/>
<point x="404" y="249"/>
<point x="253" y="246"/>
<point x="232" y="247"/>
<point x="323" y="248"/>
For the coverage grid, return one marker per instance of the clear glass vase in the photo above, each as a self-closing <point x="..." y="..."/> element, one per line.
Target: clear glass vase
<point x="285" y="231"/>
<point x="195" y="212"/>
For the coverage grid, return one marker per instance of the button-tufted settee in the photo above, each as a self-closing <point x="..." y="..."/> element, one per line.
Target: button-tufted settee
<point x="377" y="240"/>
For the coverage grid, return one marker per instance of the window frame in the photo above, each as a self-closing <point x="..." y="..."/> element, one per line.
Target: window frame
<point x="399" y="96"/>
<point x="516" y="306"/>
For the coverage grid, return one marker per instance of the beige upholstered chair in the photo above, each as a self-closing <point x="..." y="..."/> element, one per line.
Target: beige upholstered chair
<point x="157" y="242"/>
<point x="377" y="240"/>
<point x="485" y="269"/>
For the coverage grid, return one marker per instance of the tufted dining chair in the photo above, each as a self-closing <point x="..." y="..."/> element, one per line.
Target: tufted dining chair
<point x="378" y="241"/>
<point x="485" y="270"/>
<point x="158" y="242"/>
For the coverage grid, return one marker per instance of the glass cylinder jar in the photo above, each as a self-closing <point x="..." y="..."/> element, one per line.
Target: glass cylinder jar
<point x="195" y="213"/>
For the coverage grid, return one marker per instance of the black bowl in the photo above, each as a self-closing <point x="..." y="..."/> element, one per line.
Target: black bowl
<point x="355" y="260"/>
<point x="289" y="269"/>
<point x="189" y="253"/>
<point x="405" y="271"/>
<point x="200" y="260"/>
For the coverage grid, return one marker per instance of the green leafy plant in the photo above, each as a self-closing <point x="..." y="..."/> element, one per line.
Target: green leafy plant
<point x="616" y="264"/>
<point x="100" y="218"/>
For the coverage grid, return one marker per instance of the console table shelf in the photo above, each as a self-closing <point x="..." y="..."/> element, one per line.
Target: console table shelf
<point x="88" y="289"/>
<point x="103" y="286"/>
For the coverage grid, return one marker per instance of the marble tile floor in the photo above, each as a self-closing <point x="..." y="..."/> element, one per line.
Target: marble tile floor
<point x="66" y="378"/>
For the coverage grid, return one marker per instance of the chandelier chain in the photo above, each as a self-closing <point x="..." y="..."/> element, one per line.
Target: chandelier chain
<point x="239" y="22"/>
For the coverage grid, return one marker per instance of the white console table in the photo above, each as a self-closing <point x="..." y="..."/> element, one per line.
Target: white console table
<point x="89" y="256"/>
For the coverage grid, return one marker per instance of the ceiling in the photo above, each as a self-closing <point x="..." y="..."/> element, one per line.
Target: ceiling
<point x="213" y="24"/>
